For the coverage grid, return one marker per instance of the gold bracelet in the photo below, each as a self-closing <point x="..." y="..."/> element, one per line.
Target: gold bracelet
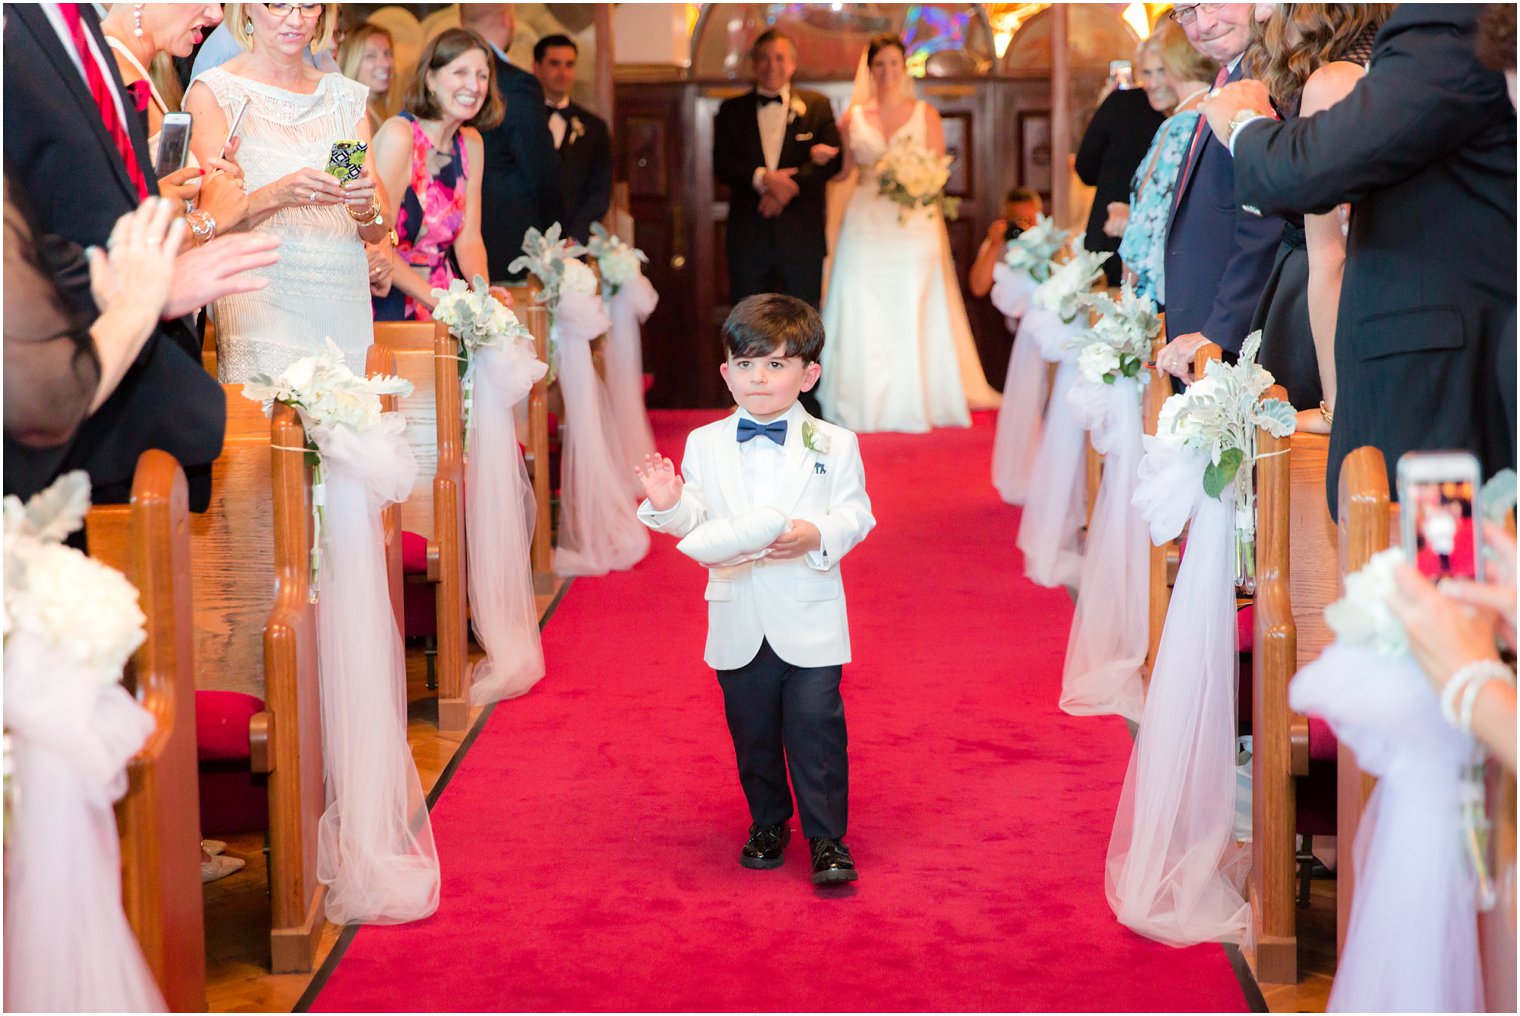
<point x="1327" y="413"/>
<point x="369" y="214"/>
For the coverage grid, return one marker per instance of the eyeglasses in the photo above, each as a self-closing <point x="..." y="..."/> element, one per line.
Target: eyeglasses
<point x="283" y="10"/>
<point x="1189" y="14"/>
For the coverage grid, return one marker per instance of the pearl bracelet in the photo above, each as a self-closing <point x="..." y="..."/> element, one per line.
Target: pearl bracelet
<point x="1466" y="683"/>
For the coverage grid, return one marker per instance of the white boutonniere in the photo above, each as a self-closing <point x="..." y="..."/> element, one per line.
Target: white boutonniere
<point x="813" y="439"/>
<point x="577" y="129"/>
<point x="798" y="108"/>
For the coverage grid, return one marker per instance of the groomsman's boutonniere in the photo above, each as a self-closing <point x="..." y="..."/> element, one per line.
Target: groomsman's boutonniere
<point x="813" y="439"/>
<point x="798" y="108"/>
<point x="577" y="129"/>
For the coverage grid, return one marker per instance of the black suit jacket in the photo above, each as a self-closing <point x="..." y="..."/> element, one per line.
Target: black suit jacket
<point x="1112" y="146"/>
<point x="585" y="164"/>
<point x="1218" y="256"/>
<point x="520" y="188"/>
<point x="1424" y="150"/>
<point x="798" y="232"/>
<point x="69" y="167"/>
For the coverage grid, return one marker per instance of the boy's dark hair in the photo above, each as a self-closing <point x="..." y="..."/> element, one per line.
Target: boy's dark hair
<point x="759" y="323"/>
<point x="543" y="46"/>
<point x="1020" y="195"/>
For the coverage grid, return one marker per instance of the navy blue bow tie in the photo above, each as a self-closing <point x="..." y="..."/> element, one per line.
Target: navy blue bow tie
<point x="775" y="430"/>
<point x="761" y="98"/>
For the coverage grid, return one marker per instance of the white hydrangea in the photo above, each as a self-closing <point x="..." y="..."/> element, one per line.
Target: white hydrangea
<point x="1096" y="360"/>
<point x="577" y="277"/>
<point x="1361" y="617"/>
<point x="475" y="317"/>
<point x="619" y="265"/>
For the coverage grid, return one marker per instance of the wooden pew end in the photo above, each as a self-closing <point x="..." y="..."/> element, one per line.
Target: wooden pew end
<point x="294" y="950"/>
<point x="261" y="742"/>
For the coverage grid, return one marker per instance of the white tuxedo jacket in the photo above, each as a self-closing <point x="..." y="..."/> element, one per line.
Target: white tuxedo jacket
<point x="797" y="605"/>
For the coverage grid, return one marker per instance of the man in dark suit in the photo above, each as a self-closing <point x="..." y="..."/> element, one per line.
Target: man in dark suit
<point x="763" y="144"/>
<point x="520" y="188"/>
<point x="1218" y="257"/>
<point x="1424" y="151"/>
<point x="580" y="136"/>
<point x="79" y="177"/>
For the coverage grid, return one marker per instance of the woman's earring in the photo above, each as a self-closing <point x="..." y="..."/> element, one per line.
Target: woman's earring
<point x="248" y="25"/>
<point x="137" y="20"/>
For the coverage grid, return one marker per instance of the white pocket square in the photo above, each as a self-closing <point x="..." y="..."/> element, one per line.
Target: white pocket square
<point x="805" y="136"/>
<point x="742" y="537"/>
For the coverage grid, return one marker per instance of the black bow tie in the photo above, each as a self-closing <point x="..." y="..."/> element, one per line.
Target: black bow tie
<point x="554" y="110"/>
<point x="761" y="98"/>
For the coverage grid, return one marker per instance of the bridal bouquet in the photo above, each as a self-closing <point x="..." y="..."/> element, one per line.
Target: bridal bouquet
<point x="1219" y="414"/>
<point x="328" y="395"/>
<point x="914" y="177"/>
<point x="1118" y="342"/>
<point x="1069" y="284"/>
<point x="479" y="321"/>
<point x="618" y="260"/>
<point x="1034" y="250"/>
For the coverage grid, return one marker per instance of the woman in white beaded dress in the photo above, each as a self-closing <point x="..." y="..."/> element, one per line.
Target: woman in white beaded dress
<point x="900" y="355"/>
<point x="319" y="289"/>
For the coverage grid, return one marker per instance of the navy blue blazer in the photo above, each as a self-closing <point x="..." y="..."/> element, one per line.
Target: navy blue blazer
<point x="520" y="184"/>
<point x="1218" y="257"/>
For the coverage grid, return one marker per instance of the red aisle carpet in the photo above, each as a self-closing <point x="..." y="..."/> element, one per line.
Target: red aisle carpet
<point x="589" y="840"/>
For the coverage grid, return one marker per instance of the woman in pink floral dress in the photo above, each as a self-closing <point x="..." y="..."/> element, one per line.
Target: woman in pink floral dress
<point x="430" y="160"/>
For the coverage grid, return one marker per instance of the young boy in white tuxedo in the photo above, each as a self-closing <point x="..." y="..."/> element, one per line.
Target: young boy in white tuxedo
<point x="777" y="632"/>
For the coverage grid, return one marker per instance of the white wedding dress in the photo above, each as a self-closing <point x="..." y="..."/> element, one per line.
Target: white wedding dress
<point x="893" y="357"/>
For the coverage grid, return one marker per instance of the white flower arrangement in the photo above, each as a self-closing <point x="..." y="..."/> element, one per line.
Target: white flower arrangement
<point x="914" y="177"/>
<point x="325" y="393"/>
<point x="479" y="321"/>
<point x="1118" y="342"/>
<point x="1064" y="292"/>
<point x="813" y="439"/>
<point x="1219" y="413"/>
<point x="577" y="277"/>
<point x="618" y="260"/>
<point x="1362" y="617"/>
<point x="1035" y="249"/>
<point x="546" y="255"/>
<point x="82" y="609"/>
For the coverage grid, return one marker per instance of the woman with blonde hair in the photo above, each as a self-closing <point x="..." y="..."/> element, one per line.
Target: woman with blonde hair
<point x="367" y="55"/>
<point x="1309" y="56"/>
<point x="319" y="289"/>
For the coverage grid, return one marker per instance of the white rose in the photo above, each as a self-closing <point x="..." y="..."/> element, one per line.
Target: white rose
<point x="1096" y="360"/>
<point x="85" y="609"/>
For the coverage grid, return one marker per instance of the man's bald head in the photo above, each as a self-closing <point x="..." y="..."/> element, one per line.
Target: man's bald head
<point x="496" y="23"/>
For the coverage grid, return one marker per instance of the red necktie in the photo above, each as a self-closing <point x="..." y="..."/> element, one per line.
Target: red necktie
<point x="1198" y="132"/>
<point x="100" y="91"/>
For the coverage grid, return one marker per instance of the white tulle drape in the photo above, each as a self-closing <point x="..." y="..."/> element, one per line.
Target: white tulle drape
<point x="1411" y="945"/>
<point x="599" y="529"/>
<point x="1110" y="630"/>
<point x="499" y="517"/>
<point x="623" y="360"/>
<point x="1011" y="290"/>
<point x="375" y="848"/>
<point x="1175" y="871"/>
<point x="1021" y="418"/>
<point x="1056" y="498"/>
<point x="68" y="946"/>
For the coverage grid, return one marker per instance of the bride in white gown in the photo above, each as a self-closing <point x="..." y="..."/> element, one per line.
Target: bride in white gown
<point x="899" y="355"/>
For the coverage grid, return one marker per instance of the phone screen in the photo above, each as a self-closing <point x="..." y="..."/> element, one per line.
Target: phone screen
<point x="346" y="160"/>
<point x="1445" y="529"/>
<point x="173" y="144"/>
<point x="1122" y="74"/>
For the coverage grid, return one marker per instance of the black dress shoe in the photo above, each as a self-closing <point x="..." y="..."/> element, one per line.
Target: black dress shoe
<point x="764" y="846"/>
<point x="831" y="861"/>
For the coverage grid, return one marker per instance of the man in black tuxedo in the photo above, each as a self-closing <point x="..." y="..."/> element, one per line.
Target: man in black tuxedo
<point x="1423" y="149"/>
<point x="580" y="136"/>
<point x="60" y="152"/>
<point x="1218" y="257"/>
<point x="520" y="188"/>
<point x="763" y="144"/>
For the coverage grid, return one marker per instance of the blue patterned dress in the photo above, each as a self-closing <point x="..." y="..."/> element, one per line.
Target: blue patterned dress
<point x="1143" y="249"/>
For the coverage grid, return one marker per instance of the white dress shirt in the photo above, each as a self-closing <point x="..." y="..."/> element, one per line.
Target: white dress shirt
<point x="558" y="123"/>
<point x="771" y="118"/>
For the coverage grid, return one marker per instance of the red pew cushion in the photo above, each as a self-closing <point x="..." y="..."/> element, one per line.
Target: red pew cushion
<point x="413" y="553"/>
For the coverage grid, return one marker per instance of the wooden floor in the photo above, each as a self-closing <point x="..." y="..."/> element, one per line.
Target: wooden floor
<point x="237" y="907"/>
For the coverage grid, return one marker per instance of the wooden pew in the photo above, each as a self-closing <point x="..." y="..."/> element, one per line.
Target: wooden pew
<point x="426" y="354"/>
<point x="159" y="816"/>
<point x="1295" y="581"/>
<point x="255" y="632"/>
<point x="535" y="317"/>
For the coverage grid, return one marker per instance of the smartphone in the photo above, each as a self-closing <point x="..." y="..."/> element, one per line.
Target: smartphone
<point x="173" y="144"/>
<point x="1439" y="513"/>
<point x="237" y="122"/>
<point x="346" y="161"/>
<point x="1122" y="74"/>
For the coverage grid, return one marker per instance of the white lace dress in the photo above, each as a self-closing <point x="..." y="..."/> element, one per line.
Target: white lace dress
<point x="319" y="288"/>
<point x="890" y="361"/>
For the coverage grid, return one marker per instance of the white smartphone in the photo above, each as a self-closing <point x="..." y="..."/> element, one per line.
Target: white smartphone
<point x="173" y="144"/>
<point x="1439" y="513"/>
<point x="237" y="122"/>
